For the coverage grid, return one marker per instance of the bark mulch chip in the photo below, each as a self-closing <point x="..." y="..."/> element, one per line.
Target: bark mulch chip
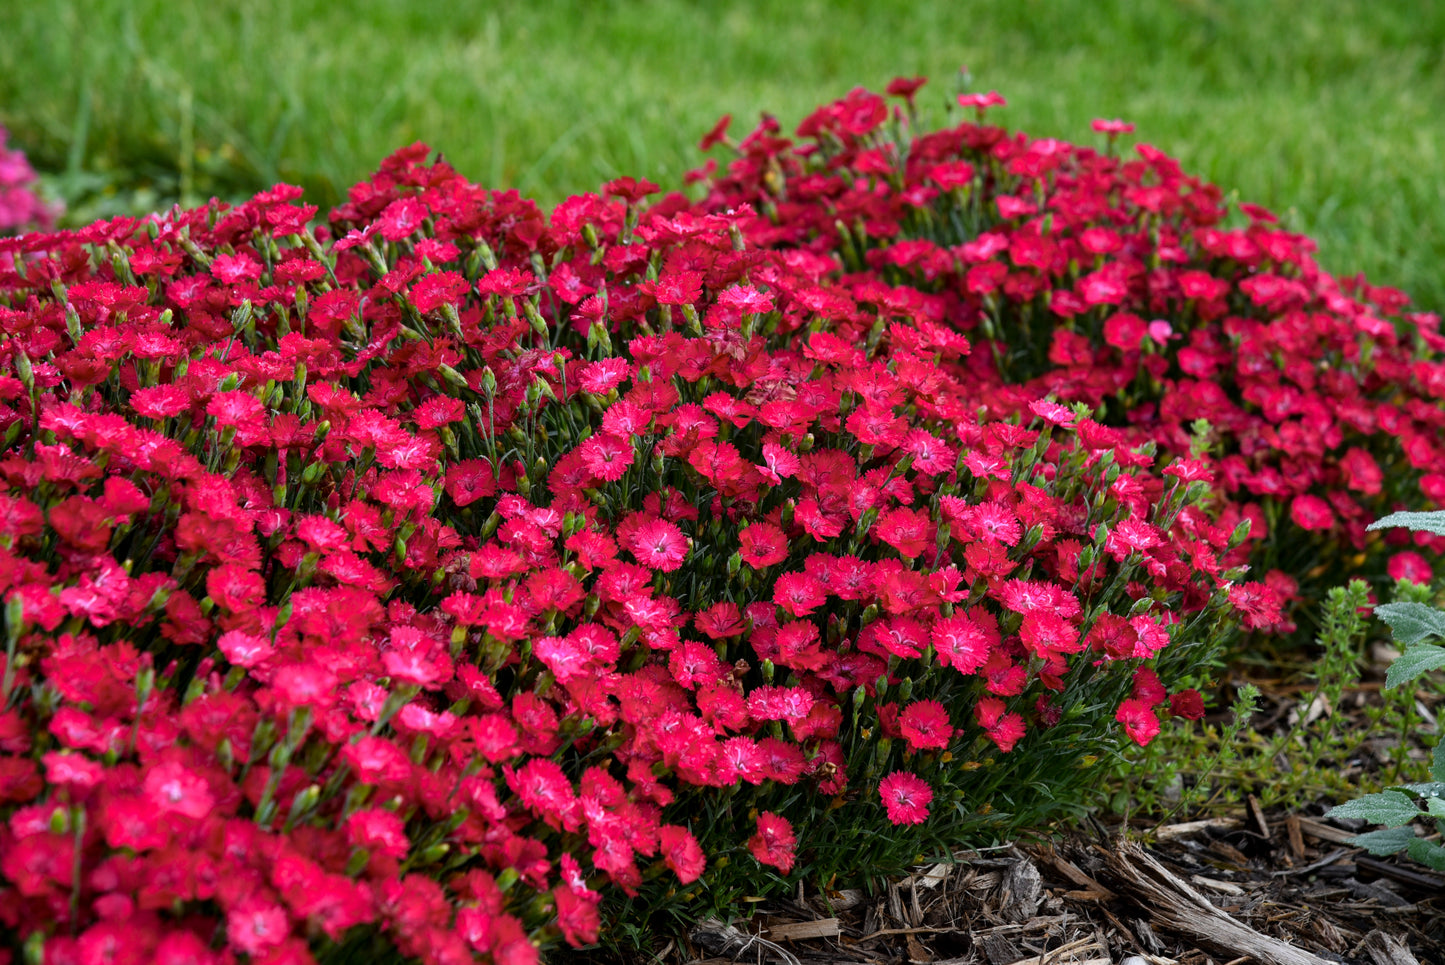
<point x="1287" y="889"/>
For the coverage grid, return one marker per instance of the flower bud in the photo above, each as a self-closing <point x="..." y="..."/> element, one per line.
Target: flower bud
<point x="14" y="617"/>
<point x="451" y="376"/>
<point x="242" y="317"/>
<point x="303" y="802"/>
<point x="534" y="317"/>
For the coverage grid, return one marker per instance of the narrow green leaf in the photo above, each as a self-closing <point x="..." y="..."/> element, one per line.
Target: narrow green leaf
<point x="1381" y="843"/>
<point x="1412" y="622"/>
<point x="1428" y="853"/>
<point x="1413" y="662"/>
<point x="1437" y="762"/>
<point x="1390" y="808"/>
<point x="1430" y="522"/>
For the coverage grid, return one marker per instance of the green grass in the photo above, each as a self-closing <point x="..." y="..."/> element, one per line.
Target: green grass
<point x="1326" y="110"/>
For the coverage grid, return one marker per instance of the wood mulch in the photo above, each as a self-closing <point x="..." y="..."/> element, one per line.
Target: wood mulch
<point x="1283" y="888"/>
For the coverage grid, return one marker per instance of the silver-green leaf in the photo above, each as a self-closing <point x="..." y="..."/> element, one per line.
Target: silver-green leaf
<point x="1413" y="662"/>
<point x="1381" y="843"/>
<point x="1430" y="522"/>
<point x="1427" y="853"/>
<point x="1412" y="622"/>
<point x="1390" y="808"/>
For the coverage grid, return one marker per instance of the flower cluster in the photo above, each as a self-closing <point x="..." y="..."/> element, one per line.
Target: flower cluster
<point x="1126" y="284"/>
<point x="20" y="208"/>
<point x="433" y="573"/>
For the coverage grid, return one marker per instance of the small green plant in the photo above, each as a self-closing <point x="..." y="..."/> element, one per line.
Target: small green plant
<point x="1412" y="622"/>
<point x="1212" y="765"/>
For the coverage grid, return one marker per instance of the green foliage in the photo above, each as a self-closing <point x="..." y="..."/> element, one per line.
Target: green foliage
<point x="1213" y="766"/>
<point x="1398" y="807"/>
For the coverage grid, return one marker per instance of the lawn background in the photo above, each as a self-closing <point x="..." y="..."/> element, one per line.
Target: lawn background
<point x="1330" y="112"/>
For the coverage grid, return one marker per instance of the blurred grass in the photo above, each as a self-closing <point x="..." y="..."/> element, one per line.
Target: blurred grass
<point x="1327" y="111"/>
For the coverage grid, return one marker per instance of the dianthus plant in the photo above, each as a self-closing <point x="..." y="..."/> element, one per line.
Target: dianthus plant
<point x="419" y="578"/>
<point x="1118" y="280"/>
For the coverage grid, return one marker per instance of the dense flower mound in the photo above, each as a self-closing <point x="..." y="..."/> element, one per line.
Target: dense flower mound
<point x="1128" y="285"/>
<point x="21" y="209"/>
<point x="420" y="578"/>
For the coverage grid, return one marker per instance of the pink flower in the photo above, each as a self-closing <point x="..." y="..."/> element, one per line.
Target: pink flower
<point x="658" y="544"/>
<point x="244" y="649"/>
<point x="981" y="102"/>
<point x="681" y="852"/>
<point x="799" y="593"/>
<point x="906" y="796"/>
<point x="174" y="789"/>
<point x="607" y="457"/>
<point x="236" y="268"/>
<point x="925" y="725"/>
<point x="1187" y="703"/>
<point x="1111" y="127"/>
<point x="763" y="544"/>
<point x="773" y="843"/>
<point x="378" y="831"/>
<point x="577" y="916"/>
<point x="908" y="531"/>
<point x="255" y="924"/>
<point x="1139" y="720"/>
<point x="1311" y="513"/>
<point x="401" y="218"/>
<point x="960" y="642"/>
<point x="1124" y="331"/>
<point x="1004" y="729"/>
<point x="1410" y="566"/>
<point x="598" y="377"/>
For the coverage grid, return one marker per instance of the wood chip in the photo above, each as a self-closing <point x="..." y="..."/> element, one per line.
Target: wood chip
<point x="1172" y="832"/>
<point x="1077" y="876"/>
<point x="1384" y="949"/>
<point x="720" y="938"/>
<point x="1090" y="895"/>
<point x="1022" y="887"/>
<point x="804" y="930"/>
<point x="931" y="878"/>
<point x="1256" y="812"/>
<point x="1325" y="832"/>
<point x="1082" y="951"/>
<point x="1176" y="906"/>
<point x="1296" y="837"/>
<point x="1213" y="884"/>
